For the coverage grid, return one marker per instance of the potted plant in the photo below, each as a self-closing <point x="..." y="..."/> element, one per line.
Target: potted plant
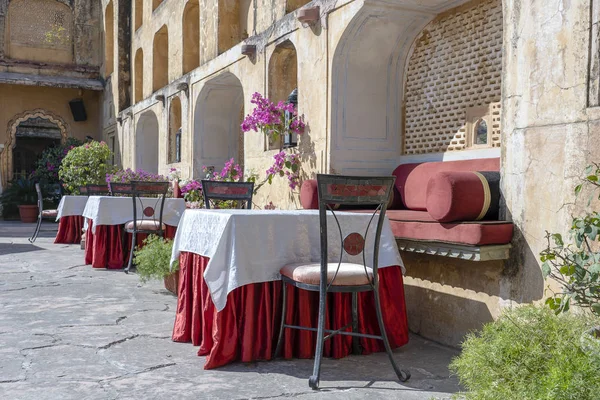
<point x="85" y="164"/>
<point x="152" y="262"/>
<point x="21" y="193"/>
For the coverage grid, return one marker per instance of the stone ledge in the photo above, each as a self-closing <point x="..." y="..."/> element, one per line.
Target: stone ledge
<point x="13" y="78"/>
<point x="463" y="252"/>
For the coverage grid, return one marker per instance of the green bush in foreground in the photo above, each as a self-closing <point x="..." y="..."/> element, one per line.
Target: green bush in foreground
<point x="152" y="260"/>
<point x="530" y="353"/>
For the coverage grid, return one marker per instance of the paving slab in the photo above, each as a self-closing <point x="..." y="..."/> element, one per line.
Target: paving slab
<point x="68" y="331"/>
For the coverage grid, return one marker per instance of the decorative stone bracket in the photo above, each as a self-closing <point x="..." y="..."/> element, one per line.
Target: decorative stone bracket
<point x="463" y="252"/>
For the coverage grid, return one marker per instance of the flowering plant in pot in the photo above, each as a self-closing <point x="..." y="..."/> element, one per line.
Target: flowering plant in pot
<point x="152" y="262"/>
<point x="21" y="194"/>
<point x="48" y="165"/>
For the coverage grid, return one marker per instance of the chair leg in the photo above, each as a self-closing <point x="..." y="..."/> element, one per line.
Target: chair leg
<point x="133" y="235"/>
<point x="314" y="380"/>
<point x="283" y="316"/>
<point x="356" y="350"/>
<point x="37" y="230"/>
<point x="403" y="375"/>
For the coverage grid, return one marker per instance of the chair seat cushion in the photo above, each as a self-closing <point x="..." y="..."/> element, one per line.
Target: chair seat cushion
<point x="50" y="213"/>
<point x="145" y="225"/>
<point x="310" y="273"/>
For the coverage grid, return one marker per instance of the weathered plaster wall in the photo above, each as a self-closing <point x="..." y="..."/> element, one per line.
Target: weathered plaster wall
<point x="550" y="134"/>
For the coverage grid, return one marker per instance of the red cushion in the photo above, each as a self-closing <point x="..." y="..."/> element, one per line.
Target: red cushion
<point x="309" y="198"/>
<point x="412" y="179"/>
<point x="463" y="196"/>
<point x="419" y="225"/>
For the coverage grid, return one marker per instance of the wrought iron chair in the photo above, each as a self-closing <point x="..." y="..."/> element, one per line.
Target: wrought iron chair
<point x="97" y="190"/>
<point x="240" y="192"/>
<point x="147" y="222"/>
<point x="55" y="190"/>
<point x="326" y="277"/>
<point x="83" y="190"/>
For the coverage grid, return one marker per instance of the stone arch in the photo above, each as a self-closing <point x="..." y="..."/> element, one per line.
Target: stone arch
<point x="147" y="142"/>
<point x="283" y="75"/>
<point x="236" y="22"/>
<point x="191" y="36"/>
<point x="292" y="5"/>
<point x="217" y="118"/>
<point x="138" y="69"/>
<point x="6" y="157"/>
<point x="109" y="39"/>
<point x="160" y="59"/>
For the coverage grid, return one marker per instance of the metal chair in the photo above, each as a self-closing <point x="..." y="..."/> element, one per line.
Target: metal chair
<point x="147" y="223"/>
<point x="239" y="192"/>
<point x="83" y="190"/>
<point x="325" y="277"/>
<point x="97" y="190"/>
<point x="55" y="190"/>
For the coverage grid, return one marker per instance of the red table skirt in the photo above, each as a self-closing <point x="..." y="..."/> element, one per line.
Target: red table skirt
<point x="69" y="229"/>
<point x="247" y="328"/>
<point x="104" y="248"/>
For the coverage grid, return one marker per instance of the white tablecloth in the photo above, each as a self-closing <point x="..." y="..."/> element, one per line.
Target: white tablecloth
<point x="251" y="246"/>
<point x="71" y="205"/>
<point x="107" y="210"/>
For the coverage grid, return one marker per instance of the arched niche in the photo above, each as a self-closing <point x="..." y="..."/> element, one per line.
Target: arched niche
<point x="236" y="22"/>
<point x="283" y="75"/>
<point x="160" y="59"/>
<point x="217" y="118"/>
<point x="174" y="139"/>
<point x="147" y="143"/>
<point x="367" y="89"/>
<point x="39" y="31"/>
<point x="109" y="39"/>
<point x="191" y="36"/>
<point x="6" y="156"/>
<point x="138" y="14"/>
<point x="138" y="83"/>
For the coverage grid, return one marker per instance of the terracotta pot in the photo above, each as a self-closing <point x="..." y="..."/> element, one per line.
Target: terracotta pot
<point x="28" y="213"/>
<point x="172" y="282"/>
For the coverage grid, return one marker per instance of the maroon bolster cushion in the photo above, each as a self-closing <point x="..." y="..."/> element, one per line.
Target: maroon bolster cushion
<point x="464" y="196"/>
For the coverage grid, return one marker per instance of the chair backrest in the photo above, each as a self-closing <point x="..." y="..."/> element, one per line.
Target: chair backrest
<point x="83" y="190"/>
<point x="140" y="190"/>
<point x="54" y="191"/>
<point x="228" y="191"/>
<point x="97" y="190"/>
<point x="334" y="190"/>
<point x="40" y="200"/>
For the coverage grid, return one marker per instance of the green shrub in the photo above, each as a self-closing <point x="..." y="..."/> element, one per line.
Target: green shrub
<point x="152" y="260"/>
<point x="86" y="164"/>
<point x="530" y="353"/>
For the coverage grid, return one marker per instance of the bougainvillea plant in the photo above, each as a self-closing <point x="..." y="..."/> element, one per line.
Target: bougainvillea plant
<point x="86" y="164"/>
<point x="47" y="166"/>
<point x="287" y="165"/>
<point x="269" y="118"/>
<point x="128" y="175"/>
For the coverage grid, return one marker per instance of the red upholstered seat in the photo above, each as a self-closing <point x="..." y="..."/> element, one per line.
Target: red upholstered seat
<point x="419" y="225"/>
<point x="50" y="213"/>
<point x="310" y="273"/>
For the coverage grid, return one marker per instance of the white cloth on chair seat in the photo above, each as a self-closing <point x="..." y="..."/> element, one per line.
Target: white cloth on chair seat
<point x="349" y="274"/>
<point x="145" y="225"/>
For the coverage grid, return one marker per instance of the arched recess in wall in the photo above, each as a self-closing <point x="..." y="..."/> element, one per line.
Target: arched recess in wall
<point x="160" y="59"/>
<point x="174" y="139"/>
<point x="217" y="118"/>
<point x="191" y="36"/>
<point x="49" y="39"/>
<point x="139" y="14"/>
<point x="283" y="74"/>
<point x="292" y="5"/>
<point x="367" y="90"/>
<point x="138" y="83"/>
<point x="236" y="22"/>
<point x="6" y="157"/>
<point x="109" y="39"/>
<point x="147" y="143"/>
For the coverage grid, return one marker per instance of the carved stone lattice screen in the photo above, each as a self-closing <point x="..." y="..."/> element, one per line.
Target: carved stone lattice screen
<point x="40" y="30"/>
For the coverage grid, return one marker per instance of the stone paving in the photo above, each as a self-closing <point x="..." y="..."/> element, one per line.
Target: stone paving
<point x="68" y="331"/>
